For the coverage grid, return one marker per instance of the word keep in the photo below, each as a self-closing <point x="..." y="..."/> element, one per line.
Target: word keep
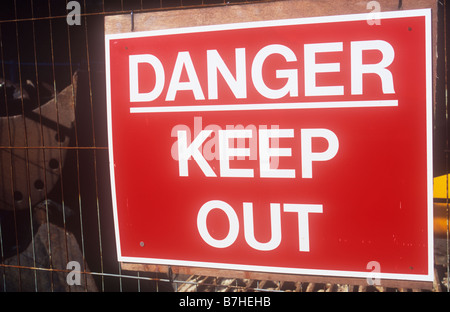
<point x="265" y="152"/>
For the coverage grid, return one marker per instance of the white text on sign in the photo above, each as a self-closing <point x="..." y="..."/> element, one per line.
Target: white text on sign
<point x="238" y="84"/>
<point x="302" y="211"/>
<point x="192" y="151"/>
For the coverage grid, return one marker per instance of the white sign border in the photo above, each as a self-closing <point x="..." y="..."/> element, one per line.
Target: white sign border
<point x="296" y="21"/>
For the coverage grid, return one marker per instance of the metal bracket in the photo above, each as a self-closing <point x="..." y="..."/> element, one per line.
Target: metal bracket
<point x="170" y="274"/>
<point x="132" y="20"/>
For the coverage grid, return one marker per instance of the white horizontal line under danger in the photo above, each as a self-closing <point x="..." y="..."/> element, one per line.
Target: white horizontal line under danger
<point x="264" y="106"/>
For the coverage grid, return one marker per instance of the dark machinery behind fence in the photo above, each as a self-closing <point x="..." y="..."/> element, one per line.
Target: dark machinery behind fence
<point x="55" y="204"/>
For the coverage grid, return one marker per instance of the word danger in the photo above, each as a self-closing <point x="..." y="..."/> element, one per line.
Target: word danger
<point x="238" y="83"/>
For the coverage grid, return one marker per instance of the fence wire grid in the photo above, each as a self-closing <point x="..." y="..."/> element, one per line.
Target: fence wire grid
<point x="55" y="208"/>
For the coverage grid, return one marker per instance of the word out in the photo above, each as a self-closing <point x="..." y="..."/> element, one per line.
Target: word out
<point x="302" y="211"/>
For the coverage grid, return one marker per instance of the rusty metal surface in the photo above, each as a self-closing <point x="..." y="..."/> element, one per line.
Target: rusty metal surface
<point x="246" y="279"/>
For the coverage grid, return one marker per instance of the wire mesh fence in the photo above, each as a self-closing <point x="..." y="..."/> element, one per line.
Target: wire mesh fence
<point x="55" y="202"/>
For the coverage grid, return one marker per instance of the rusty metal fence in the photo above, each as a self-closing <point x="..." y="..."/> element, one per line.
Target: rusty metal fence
<point x="56" y="223"/>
